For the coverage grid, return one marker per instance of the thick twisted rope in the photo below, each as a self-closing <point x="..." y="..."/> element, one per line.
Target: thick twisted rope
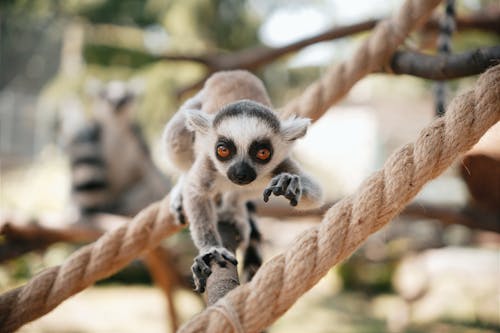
<point x="373" y="54"/>
<point x="282" y="280"/>
<point x="107" y="255"/>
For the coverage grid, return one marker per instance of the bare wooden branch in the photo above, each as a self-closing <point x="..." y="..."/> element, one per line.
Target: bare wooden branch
<point x="445" y="67"/>
<point x="77" y="233"/>
<point x="448" y="215"/>
<point x="22" y="238"/>
<point x="19" y="239"/>
<point x="256" y="57"/>
<point x="438" y="67"/>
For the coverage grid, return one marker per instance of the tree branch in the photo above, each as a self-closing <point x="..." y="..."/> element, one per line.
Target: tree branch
<point x="438" y="67"/>
<point x="471" y="217"/>
<point x="256" y="57"/>
<point x="445" y="67"/>
<point x="448" y="215"/>
<point x="22" y="238"/>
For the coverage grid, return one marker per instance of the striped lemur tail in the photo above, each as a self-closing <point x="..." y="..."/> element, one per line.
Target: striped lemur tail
<point x="88" y="171"/>
<point x="111" y="166"/>
<point x="252" y="256"/>
<point x="446" y="29"/>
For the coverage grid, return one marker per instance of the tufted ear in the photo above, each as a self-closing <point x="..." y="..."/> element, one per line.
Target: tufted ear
<point x="198" y="121"/>
<point x="294" y="128"/>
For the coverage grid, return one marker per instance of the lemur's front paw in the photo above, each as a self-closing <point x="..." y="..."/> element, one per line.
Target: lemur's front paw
<point x="287" y="185"/>
<point x="176" y="208"/>
<point x="201" y="266"/>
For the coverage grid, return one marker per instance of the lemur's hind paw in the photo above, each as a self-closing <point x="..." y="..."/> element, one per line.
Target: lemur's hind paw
<point x="201" y="266"/>
<point x="287" y="185"/>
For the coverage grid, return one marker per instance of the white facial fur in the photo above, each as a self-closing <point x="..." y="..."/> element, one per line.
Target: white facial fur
<point x="242" y="131"/>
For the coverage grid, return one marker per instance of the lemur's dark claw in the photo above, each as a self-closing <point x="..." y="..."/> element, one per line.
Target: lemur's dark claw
<point x="199" y="275"/>
<point x="230" y="258"/>
<point x="267" y="194"/>
<point x="201" y="266"/>
<point x="219" y="259"/>
<point x="287" y="185"/>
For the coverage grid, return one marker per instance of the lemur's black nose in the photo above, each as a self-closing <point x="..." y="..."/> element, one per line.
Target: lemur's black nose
<point x="241" y="173"/>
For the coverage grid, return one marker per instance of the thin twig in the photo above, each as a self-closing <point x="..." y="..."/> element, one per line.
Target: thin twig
<point x="471" y="217"/>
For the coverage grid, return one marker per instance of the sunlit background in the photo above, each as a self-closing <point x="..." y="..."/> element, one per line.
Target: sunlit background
<point x="416" y="275"/>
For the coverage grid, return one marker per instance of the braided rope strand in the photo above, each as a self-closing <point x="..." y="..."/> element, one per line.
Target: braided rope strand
<point x="279" y="283"/>
<point x="374" y="53"/>
<point x="90" y="263"/>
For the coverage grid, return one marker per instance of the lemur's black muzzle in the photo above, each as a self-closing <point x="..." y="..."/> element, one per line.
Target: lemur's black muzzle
<point x="241" y="173"/>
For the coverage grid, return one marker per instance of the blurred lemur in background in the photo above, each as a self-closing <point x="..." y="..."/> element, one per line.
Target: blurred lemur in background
<point x="111" y="167"/>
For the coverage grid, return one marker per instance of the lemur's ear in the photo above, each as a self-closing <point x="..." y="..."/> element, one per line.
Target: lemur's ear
<point x="198" y="120"/>
<point x="294" y="128"/>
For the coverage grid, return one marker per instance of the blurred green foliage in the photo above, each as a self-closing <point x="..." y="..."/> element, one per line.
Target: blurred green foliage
<point x="373" y="277"/>
<point x="113" y="56"/>
<point x="190" y="26"/>
<point x="124" y="12"/>
<point x="227" y="24"/>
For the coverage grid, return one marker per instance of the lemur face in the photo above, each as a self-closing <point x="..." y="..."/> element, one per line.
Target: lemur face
<point x="246" y="140"/>
<point x="242" y="162"/>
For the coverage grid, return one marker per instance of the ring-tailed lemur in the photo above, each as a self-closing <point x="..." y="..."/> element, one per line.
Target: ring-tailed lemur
<point x="229" y="143"/>
<point x="111" y="167"/>
<point x="446" y="29"/>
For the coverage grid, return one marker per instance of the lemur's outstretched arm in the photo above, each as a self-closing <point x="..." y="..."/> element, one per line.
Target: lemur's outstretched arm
<point x="199" y="206"/>
<point x="200" y="209"/>
<point x="294" y="184"/>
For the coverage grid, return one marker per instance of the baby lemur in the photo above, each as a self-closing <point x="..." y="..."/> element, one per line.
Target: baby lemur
<point x="231" y="147"/>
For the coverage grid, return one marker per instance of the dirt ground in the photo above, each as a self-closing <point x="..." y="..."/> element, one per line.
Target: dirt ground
<point x="141" y="309"/>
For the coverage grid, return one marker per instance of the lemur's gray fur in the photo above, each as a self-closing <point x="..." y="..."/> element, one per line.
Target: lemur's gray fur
<point x="232" y="111"/>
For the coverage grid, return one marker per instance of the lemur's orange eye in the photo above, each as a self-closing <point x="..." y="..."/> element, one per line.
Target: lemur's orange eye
<point x="223" y="151"/>
<point x="263" y="154"/>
